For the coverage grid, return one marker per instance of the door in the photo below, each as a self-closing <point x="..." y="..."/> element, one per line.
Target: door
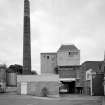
<point x="23" y="88"/>
<point x="97" y="84"/>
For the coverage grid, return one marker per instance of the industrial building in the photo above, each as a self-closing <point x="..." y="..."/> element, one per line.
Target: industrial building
<point x="72" y="75"/>
<point x="48" y="63"/>
<point x="93" y="77"/>
<point x="66" y="63"/>
<point x="61" y="71"/>
<point x="35" y="84"/>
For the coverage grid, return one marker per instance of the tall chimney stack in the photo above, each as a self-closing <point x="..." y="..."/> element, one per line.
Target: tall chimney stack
<point x="26" y="39"/>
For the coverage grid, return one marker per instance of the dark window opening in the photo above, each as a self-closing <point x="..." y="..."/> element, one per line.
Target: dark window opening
<point x="69" y="53"/>
<point x="47" y="57"/>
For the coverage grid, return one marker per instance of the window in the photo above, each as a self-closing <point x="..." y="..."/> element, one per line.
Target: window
<point x="72" y="53"/>
<point x="69" y="53"/>
<point x="47" y="57"/>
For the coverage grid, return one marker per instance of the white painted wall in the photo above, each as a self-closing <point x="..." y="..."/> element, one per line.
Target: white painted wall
<point x="32" y="78"/>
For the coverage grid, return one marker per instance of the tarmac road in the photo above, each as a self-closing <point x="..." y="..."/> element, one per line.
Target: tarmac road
<point x="11" y="99"/>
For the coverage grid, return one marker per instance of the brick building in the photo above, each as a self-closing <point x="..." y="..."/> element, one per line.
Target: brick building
<point x="68" y="55"/>
<point x="73" y="76"/>
<point x="93" y="77"/>
<point x="66" y="63"/>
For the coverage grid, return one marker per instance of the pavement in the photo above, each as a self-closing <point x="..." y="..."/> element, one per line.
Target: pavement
<point x="103" y="100"/>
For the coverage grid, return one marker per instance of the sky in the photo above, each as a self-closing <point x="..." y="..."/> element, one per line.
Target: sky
<point x="53" y="23"/>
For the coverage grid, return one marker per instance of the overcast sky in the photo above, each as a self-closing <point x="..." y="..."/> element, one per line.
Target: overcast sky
<point x="53" y="22"/>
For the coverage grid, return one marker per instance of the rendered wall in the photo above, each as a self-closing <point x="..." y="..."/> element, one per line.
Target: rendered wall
<point x="64" y="59"/>
<point x="48" y="62"/>
<point x="35" y="84"/>
<point x="35" y="88"/>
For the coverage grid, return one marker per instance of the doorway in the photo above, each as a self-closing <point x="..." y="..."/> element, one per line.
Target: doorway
<point x="68" y="87"/>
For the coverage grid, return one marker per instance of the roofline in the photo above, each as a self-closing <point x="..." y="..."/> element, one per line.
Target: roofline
<point x="77" y="49"/>
<point x="49" y="53"/>
<point x="69" y="66"/>
<point x="91" y="61"/>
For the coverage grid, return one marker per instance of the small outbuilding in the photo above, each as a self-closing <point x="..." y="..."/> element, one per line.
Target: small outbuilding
<point x="38" y="85"/>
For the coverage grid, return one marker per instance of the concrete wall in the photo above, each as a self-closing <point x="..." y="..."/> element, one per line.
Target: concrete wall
<point x="48" y="62"/>
<point x="97" y="84"/>
<point x="35" y="88"/>
<point x="64" y="59"/>
<point x="37" y="78"/>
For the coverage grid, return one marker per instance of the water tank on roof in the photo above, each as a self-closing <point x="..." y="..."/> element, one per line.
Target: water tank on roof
<point x="11" y="78"/>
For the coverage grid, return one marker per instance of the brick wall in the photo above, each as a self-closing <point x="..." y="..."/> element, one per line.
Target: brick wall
<point x="67" y="73"/>
<point x="35" y="88"/>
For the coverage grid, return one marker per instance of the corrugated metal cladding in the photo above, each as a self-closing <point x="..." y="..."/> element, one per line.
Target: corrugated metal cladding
<point x="2" y="74"/>
<point x="2" y="79"/>
<point x="97" y="87"/>
<point x="98" y="84"/>
<point x="11" y="79"/>
<point x="2" y="86"/>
